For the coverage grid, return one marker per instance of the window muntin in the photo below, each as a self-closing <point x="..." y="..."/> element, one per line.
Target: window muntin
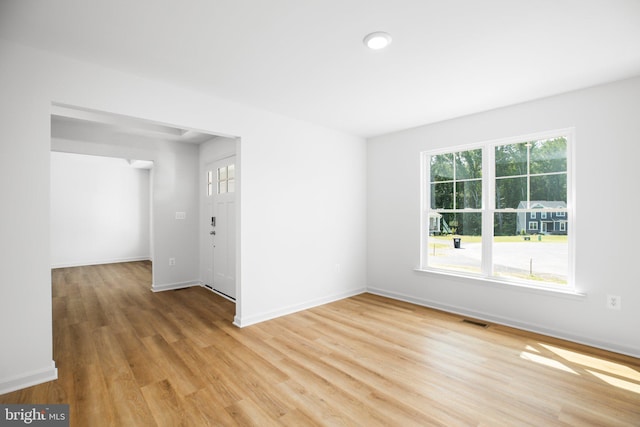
<point x="456" y="180"/>
<point x="518" y="180"/>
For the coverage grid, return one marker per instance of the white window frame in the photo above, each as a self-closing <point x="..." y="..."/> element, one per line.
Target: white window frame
<point x="488" y="209"/>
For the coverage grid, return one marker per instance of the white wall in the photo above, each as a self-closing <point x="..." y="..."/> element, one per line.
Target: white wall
<point x="607" y="127"/>
<point x="174" y="189"/>
<point x="99" y="210"/>
<point x="302" y="201"/>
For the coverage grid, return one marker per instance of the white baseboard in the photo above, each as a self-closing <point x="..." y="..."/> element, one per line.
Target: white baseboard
<point x="100" y="261"/>
<point x="241" y="322"/>
<point x="220" y="294"/>
<point x="487" y="317"/>
<point x="29" y="379"/>
<point x="171" y="286"/>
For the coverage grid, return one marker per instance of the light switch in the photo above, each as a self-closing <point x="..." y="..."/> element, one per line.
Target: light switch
<point x="181" y="215"/>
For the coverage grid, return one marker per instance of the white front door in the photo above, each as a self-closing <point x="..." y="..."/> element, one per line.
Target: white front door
<point x="221" y="197"/>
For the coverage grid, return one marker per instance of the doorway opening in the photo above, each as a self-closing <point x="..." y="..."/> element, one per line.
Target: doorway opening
<point x="175" y="197"/>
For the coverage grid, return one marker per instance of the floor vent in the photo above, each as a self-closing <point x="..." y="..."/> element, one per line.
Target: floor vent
<point x="475" y="323"/>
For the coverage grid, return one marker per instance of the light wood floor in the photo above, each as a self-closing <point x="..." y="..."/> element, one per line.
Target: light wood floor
<point x="130" y="357"/>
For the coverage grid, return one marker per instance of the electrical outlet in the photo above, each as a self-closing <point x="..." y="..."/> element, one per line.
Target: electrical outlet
<point x="172" y="261"/>
<point x="614" y="302"/>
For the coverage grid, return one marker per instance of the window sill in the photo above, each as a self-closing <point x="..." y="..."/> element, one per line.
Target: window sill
<point x="494" y="283"/>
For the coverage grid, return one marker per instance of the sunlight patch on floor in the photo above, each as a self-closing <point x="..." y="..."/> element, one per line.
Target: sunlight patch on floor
<point x="595" y="363"/>
<point x="617" y="382"/>
<point x="546" y="361"/>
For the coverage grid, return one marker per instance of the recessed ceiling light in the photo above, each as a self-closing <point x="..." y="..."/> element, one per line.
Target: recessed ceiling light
<point x="377" y="40"/>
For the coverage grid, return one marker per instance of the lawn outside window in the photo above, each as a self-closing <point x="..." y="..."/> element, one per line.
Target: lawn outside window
<point x="501" y="210"/>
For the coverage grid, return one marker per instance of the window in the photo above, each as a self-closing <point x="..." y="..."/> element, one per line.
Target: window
<point x="209" y="183"/>
<point x="480" y="211"/>
<point x="226" y="179"/>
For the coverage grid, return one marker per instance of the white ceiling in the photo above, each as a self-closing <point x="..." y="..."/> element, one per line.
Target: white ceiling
<point x="305" y="58"/>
